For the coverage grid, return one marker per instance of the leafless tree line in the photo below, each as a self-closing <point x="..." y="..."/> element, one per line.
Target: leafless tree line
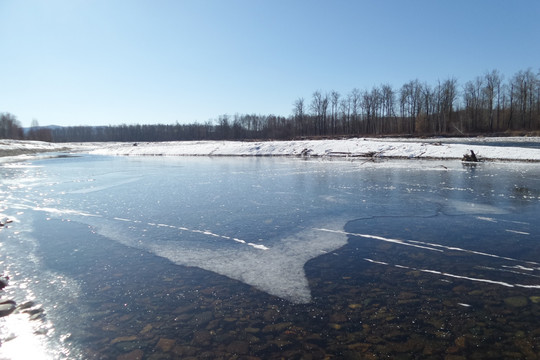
<point x="10" y="127"/>
<point x="486" y="104"/>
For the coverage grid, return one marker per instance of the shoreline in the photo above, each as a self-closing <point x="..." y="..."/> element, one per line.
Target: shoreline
<point x="486" y="148"/>
<point x="362" y="148"/>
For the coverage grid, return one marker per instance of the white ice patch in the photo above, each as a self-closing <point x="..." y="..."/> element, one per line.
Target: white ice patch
<point x="92" y="189"/>
<point x="277" y="270"/>
<point x="518" y="232"/>
<point x="486" y="219"/>
<point x="519" y="267"/>
<point x="380" y="238"/>
<point x="55" y="211"/>
<point x="376" y="262"/>
<point x="464" y="207"/>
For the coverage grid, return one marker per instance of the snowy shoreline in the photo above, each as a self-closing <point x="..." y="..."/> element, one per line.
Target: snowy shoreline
<point x="345" y="148"/>
<point x="388" y="148"/>
<point x="16" y="149"/>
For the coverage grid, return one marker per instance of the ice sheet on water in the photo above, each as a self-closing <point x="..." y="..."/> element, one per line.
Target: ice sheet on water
<point x="277" y="269"/>
<point x="525" y="272"/>
<point x="471" y="208"/>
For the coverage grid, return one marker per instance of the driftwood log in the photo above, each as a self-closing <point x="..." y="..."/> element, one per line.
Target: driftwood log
<point x="470" y="157"/>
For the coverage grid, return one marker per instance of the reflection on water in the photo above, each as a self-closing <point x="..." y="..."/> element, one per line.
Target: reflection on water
<point x="272" y="258"/>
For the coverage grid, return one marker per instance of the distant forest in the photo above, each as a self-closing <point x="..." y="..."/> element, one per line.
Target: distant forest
<point x="488" y="104"/>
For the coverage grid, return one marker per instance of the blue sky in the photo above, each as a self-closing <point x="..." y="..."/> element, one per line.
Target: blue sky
<point x="108" y="62"/>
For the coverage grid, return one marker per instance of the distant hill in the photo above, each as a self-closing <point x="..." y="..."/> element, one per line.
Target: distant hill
<point x="26" y="130"/>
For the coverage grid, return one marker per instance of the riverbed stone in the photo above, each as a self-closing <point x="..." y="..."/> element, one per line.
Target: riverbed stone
<point x="238" y="347"/>
<point x="202" y="337"/>
<point x="26" y="305"/>
<point x="516" y="301"/>
<point x="203" y="318"/>
<point x="338" y="318"/>
<point x="165" y="344"/>
<point x="184" y="351"/>
<point x="146" y="329"/>
<point x="461" y="342"/>
<point x="406" y="295"/>
<point x="36" y="316"/>
<point x="276" y="327"/>
<point x="123" y="339"/>
<point x="3" y="283"/>
<point x="133" y="355"/>
<point x="7" y="308"/>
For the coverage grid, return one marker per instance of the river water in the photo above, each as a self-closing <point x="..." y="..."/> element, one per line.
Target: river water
<point x="199" y="257"/>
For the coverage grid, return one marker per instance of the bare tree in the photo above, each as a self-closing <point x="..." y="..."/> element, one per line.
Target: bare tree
<point x="10" y="127"/>
<point x="449" y="97"/>
<point x="319" y="107"/>
<point x="430" y="109"/>
<point x="299" y="116"/>
<point x="523" y="86"/>
<point x="371" y="108"/>
<point x="473" y="99"/>
<point x="411" y="103"/>
<point x="334" y="98"/>
<point x="345" y="112"/>
<point x="355" y="101"/>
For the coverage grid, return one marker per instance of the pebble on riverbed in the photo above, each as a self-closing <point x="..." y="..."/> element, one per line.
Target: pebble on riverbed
<point x="3" y="282"/>
<point x="7" y="307"/>
<point x="4" y="221"/>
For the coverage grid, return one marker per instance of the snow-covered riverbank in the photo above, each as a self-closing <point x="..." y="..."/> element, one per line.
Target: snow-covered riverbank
<point x="358" y="147"/>
<point x="447" y="148"/>
<point x="17" y="148"/>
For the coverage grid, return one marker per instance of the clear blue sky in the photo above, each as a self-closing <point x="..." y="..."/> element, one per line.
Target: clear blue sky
<point x="108" y="62"/>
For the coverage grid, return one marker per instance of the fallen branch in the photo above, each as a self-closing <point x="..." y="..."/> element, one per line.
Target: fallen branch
<point x="470" y="157"/>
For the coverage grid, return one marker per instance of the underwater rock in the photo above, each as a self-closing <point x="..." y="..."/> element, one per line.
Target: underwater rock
<point x="461" y="342"/>
<point x="516" y="301"/>
<point x="3" y="282"/>
<point x="405" y="295"/>
<point x="202" y="337"/>
<point x="7" y="307"/>
<point x="252" y="330"/>
<point x="279" y="327"/>
<point x="26" y="305"/>
<point x="133" y="355"/>
<point x="238" y="347"/>
<point x="165" y="345"/>
<point x="203" y="318"/>
<point x="34" y="313"/>
<point x="338" y="318"/>
<point x="185" y="351"/>
<point x="36" y="316"/>
<point x="123" y="339"/>
<point x="146" y="329"/>
<point x="4" y="221"/>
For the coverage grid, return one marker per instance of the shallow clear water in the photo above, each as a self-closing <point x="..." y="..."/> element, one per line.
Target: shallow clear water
<point x="269" y="257"/>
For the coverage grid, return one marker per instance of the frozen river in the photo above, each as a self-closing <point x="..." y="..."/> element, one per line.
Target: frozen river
<point x="267" y="257"/>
